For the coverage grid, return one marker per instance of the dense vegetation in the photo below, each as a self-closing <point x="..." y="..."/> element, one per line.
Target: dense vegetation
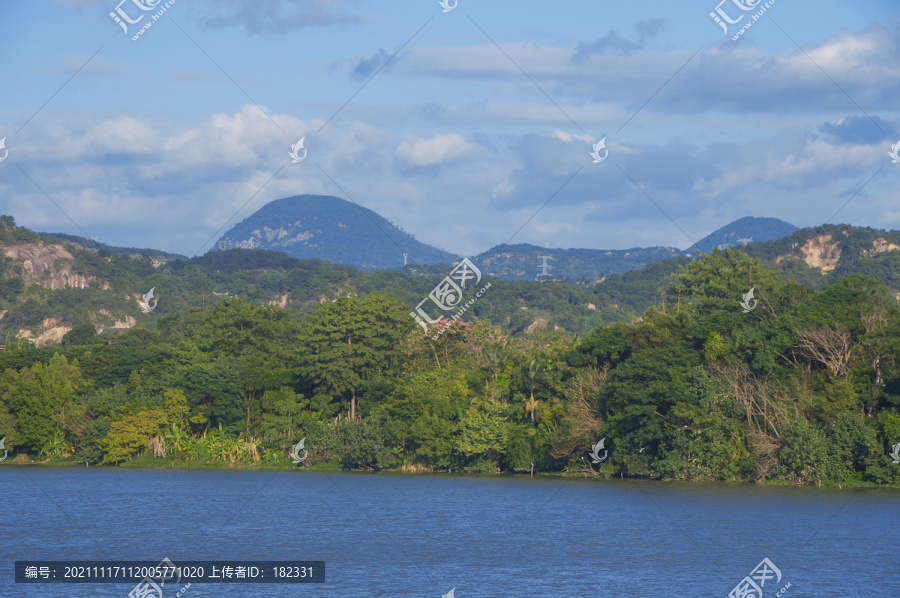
<point x="862" y="251"/>
<point x="805" y="388"/>
<point x="117" y="280"/>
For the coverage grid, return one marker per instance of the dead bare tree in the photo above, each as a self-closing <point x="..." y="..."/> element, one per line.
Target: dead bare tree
<point x="581" y="417"/>
<point x="764" y="449"/>
<point x="762" y="408"/>
<point x="831" y="347"/>
<point x="157" y="444"/>
<point x="766" y="409"/>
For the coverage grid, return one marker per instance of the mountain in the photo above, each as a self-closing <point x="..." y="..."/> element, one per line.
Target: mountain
<point x="823" y="255"/>
<point x="331" y="229"/>
<point x="334" y="230"/>
<point x="48" y="287"/>
<point x="525" y="262"/>
<point x="743" y="232"/>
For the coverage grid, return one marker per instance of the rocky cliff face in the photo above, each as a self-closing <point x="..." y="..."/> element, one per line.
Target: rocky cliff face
<point x="882" y="245"/>
<point x="51" y="331"/>
<point x="281" y="302"/>
<point x="105" y="320"/>
<point x="817" y="252"/>
<point x="49" y="266"/>
<point x="823" y="252"/>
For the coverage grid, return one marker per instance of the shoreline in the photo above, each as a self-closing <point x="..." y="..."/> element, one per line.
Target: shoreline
<point x="330" y="468"/>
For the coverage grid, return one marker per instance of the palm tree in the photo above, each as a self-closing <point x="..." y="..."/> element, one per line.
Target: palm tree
<point x="177" y="437"/>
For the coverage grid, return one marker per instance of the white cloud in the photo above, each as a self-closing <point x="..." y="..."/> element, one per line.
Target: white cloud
<point x="419" y="151"/>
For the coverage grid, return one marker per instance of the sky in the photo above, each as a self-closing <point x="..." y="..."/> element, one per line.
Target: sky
<point x="467" y="128"/>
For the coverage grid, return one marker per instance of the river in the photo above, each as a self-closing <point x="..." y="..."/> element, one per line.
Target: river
<point x="423" y="535"/>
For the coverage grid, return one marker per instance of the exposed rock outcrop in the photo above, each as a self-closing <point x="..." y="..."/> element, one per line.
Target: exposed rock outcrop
<point x="52" y="332"/>
<point x="49" y="266"/>
<point x="817" y="252"/>
<point x="281" y="302"/>
<point x="539" y="322"/>
<point x="105" y="320"/>
<point x="881" y="245"/>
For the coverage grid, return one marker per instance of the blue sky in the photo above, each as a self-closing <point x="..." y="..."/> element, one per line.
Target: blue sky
<point x="459" y="140"/>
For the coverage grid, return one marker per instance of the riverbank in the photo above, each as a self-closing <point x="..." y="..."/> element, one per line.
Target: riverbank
<point x="150" y="463"/>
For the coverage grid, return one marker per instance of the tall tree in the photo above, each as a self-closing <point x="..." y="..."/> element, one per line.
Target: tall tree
<point x="346" y="344"/>
<point x="37" y="393"/>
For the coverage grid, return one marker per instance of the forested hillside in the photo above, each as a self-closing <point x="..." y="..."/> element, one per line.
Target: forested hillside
<point x="47" y="288"/>
<point x="802" y="388"/>
<point x="823" y="255"/>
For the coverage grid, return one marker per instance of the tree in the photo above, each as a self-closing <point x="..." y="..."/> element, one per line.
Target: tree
<point x="83" y="334"/>
<point x="236" y="328"/>
<point x="717" y="281"/>
<point x="37" y="393"/>
<point x="421" y="417"/>
<point x="831" y="347"/>
<point x="483" y="431"/>
<point x="530" y="378"/>
<point x="581" y="423"/>
<point x="281" y="410"/>
<point x="347" y="344"/>
<point x="129" y="435"/>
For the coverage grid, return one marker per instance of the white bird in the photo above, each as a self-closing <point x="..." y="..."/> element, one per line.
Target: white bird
<point x="642" y="450"/>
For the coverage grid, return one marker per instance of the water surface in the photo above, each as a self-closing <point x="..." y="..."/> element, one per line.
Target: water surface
<point x="421" y="535"/>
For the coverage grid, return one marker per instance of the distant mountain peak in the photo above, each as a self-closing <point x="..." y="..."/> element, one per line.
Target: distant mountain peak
<point x="743" y="231"/>
<point x="332" y="229"/>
